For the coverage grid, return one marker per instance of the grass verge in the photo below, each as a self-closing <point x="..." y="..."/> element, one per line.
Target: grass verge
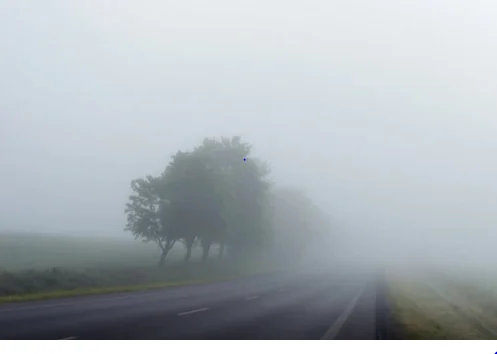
<point x="418" y="312"/>
<point x="101" y="290"/>
<point x="59" y="283"/>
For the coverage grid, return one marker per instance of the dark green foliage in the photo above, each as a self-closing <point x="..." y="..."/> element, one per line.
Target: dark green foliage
<point x="210" y="194"/>
<point x="217" y="194"/>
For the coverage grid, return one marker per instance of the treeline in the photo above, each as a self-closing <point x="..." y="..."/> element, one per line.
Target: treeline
<point x="218" y="195"/>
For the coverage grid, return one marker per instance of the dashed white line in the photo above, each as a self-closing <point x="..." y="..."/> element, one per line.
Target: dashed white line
<point x="193" y="311"/>
<point x="252" y="297"/>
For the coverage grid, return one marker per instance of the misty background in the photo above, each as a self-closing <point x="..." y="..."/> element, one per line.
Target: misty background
<point x="384" y="113"/>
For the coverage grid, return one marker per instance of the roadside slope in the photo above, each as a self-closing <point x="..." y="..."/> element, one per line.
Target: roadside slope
<point x="432" y="306"/>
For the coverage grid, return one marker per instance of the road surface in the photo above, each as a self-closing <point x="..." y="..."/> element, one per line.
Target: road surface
<point x="278" y="306"/>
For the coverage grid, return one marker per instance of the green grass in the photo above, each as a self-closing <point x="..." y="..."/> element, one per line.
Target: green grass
<point x="179" y="275"/>
<point x="91" y="291"/>
<point x="21" y="251"/>
<point x="420" y="313"/>
<point x="105" y="290"/>
<point x="36" y="267"/>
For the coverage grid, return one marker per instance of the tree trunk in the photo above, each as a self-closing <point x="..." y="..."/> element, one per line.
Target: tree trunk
<point x="162" y="259"/>
<point x="221" y="251"/>
<point x="205" y="251"/>
<point x="189" y="245"/>
<point x="188" y="254"/>
<point x="165" y="251"/>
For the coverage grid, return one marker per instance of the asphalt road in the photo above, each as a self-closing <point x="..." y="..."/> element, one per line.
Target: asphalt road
<point x="279" y="306"/>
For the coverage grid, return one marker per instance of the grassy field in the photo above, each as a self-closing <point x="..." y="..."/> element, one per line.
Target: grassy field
<point x="37" y="285"/>
<point x="441" y="306"/>
<point x="22" y="251"/>
<point x="34" y="266"/>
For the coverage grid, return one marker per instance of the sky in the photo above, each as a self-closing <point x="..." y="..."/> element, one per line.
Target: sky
<point x="384" y="111"/>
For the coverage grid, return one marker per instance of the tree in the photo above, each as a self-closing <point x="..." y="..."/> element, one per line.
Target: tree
<point x="149" y="217"/>
<point x="238" y="189"/>
<point x="215" y="194"/>
<point x="190" y="184"/>
<point x="297" y="223"/>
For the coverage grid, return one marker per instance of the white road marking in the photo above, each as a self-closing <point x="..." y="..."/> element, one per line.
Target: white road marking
<point x="68" y="338"/>
<point x="252" y="297"/>
<point x="193" y="311"/>
<point x="332" y="332"/>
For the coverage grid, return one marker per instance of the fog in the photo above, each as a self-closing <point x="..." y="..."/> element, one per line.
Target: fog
<point x="383" y="111"/>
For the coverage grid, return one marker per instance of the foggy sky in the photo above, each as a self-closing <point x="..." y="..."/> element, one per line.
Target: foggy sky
<point x="384" y="111"/>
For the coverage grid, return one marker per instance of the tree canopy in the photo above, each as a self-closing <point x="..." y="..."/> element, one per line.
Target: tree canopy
<point x="218" y="194"/>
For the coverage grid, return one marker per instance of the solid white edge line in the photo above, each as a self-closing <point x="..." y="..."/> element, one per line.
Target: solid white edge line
<point x="332" y="332"/>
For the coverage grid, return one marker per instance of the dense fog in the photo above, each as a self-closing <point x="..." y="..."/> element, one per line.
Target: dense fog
<point x="383" y="112"/>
